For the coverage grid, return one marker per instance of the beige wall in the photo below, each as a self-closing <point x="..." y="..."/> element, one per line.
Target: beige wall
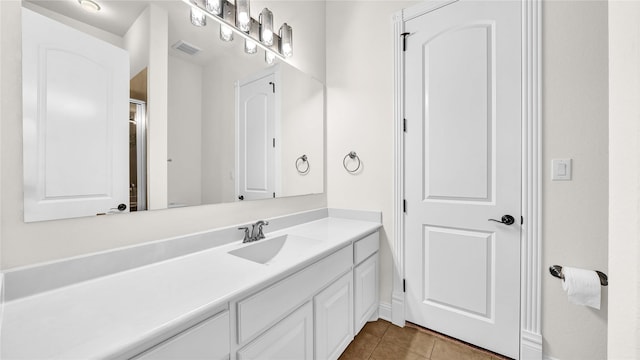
<point x="624" y="180"/>
<point x="360" y="118"/>
<point x="575" y="125"/>
<point x="360" y="113"/>
<point x="24" y="244"/>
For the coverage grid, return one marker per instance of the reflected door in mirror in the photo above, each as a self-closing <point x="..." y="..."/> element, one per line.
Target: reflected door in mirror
<point x="73" y="84"/>
<point x="256" y="138"/>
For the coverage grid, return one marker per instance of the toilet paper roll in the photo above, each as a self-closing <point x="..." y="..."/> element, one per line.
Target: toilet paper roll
<point x="582" y="286"/>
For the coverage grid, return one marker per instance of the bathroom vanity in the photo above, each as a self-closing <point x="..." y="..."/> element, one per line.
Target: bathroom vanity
<point x="301" y="293"/>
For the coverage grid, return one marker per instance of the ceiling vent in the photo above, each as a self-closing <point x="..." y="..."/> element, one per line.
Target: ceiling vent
<point x="186" y="48"/>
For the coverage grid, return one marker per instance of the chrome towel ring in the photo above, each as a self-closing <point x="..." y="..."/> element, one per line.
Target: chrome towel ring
<point x="300" y="164"/>
<point x="354" y="157"/>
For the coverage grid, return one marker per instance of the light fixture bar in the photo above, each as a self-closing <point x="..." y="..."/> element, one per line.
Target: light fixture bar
<point x="228" y="18"/>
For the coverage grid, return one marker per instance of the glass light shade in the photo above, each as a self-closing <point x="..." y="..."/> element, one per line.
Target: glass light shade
<point x="250" y="46"/>
<point x="269" y="57"/>
<point x="243" y="17"/>
<point x="214" y="6"/>
<point x="226" y="34"/>
<point x="198" y="18"/>
<point x="286" y="40"/>
<point x="266" y="27"/>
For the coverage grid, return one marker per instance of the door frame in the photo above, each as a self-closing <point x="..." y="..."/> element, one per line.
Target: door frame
<point x="530" y="264"/>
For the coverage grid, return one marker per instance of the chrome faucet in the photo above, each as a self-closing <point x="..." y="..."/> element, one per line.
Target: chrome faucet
<point x="256" y="231"/>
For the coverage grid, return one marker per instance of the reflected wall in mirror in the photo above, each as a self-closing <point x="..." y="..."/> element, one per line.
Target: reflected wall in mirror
<point x="208" y="123"/>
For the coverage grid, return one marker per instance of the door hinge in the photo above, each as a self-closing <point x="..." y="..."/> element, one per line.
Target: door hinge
<point x="273" y="86"/>
<point x="404" y="40"/>
<point x="521" y="220"/>
<point x="404" y="206"/>
<point x="274" y="195"/>
<point x="274" y="142"/>
<point x="404" y="125"/>
<point x="404" y="285"/>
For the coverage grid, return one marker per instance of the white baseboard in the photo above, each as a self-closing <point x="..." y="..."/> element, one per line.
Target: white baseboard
<point x="530" y="346"/>
<point x="384" y="311"/>
<point x="547" y="357"/>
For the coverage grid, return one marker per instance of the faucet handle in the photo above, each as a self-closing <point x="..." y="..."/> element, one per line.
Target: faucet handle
<point x="247" y="237"/>
<point x="260" y="224"/>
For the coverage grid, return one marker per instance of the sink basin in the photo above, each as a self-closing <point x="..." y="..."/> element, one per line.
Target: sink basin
<point x="279" y="248"/>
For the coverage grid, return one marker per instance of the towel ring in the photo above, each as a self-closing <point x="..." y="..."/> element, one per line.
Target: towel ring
<point x="556" y="271"/>
<point x="353" y="156"/>
<point x="299" y="162"/>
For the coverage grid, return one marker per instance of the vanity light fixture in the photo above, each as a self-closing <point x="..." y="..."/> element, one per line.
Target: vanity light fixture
<point x="250" y="46"/>
<point x="234" y="18"/>
<point x="266" y="26"/>
<point x="226" y="34"/>
<point x="213" y="6"/>
<point x="286" y="40"/>
<point x="243" y="17"/>
<point x="198" y="18"/>
<point x="89" y="5"/>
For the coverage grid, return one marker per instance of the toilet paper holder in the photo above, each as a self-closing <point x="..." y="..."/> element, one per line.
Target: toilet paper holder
<point x="556" y="271"/>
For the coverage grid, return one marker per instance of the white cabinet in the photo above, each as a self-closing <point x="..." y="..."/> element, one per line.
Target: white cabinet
<point x="290" y="339"/>
<point x="313" y="313"/>
<point x="264" y="308"/>
<point x="334" y="318"/>
<point x="365" y="279"/>
<point x="207" y="340"/>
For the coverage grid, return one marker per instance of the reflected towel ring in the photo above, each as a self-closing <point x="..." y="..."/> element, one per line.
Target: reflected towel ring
<point x="300" y="161"/>
<point x="353" y="156"/>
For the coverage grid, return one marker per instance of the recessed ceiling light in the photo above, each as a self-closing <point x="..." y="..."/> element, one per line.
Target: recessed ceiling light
<point x="89" y="5"/>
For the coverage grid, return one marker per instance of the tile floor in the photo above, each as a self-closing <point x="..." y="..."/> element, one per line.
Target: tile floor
<point x="380" y="340"/>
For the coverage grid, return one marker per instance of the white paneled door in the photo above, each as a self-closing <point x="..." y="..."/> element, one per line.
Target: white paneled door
<point x="462" y="168"/>
<point x="256" y="144"/>
<point x="76" y="128"/>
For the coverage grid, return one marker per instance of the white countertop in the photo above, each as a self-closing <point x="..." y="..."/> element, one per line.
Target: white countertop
<point x="111" y="316"/>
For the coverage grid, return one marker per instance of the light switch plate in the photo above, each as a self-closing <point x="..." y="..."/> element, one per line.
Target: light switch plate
<point x="561" y="169"/>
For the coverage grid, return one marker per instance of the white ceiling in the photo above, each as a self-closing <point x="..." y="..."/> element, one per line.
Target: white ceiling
<point x="117" y="16"/>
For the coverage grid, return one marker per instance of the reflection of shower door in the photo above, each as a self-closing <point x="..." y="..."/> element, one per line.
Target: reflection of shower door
<point x="137" y="155"/>
<point x="256" y="140"/>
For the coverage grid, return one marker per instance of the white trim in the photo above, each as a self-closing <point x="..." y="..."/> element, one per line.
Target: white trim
<point x="531" y="272"/>
<point x="384" y="311"/>
<point x="397" y="302"/>
<point x="531" y="335"/>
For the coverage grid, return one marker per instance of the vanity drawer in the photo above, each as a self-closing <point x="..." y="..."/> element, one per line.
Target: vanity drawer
<point x="363" y="248"/>
<point x="206" y="340"/>
<point x="263" y="309"/>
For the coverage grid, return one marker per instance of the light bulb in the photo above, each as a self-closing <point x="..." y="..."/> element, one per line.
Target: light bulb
<point x="226" y="34"/>
<point x="286" y="40"/>
<point x="198" y="18"/>
<point x="214" y="6"/>
<point x="266" y="27"/>
<point x="269" y="57"/>
<point x="243" y="19"/>
<point x="250" y="46"/>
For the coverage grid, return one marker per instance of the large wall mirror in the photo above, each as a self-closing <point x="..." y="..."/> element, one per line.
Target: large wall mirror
<point x="197" y="120"/>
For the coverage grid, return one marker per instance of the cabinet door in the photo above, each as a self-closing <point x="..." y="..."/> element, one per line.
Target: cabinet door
<point x="366" y="291"/>
<point x="290" y="339"/>
<point x="207" y="340"/>
<point x="333" y="318"/>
